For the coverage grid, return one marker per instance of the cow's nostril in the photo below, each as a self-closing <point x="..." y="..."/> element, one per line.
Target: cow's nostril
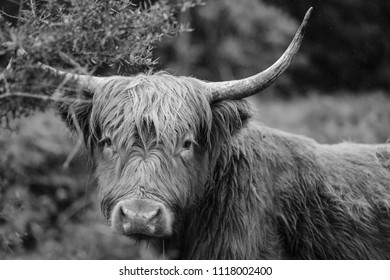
<point x="127" y="214"/>
<point x="152" y="216"/>
<point x="148" y="215"/>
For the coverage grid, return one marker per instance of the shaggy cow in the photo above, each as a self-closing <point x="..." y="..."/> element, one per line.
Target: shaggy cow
<point x="180" y="164"/>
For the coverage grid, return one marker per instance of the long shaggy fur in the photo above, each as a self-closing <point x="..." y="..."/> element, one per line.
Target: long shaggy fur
<point x="244" y="191"/>
<point x="131" y="108"/>
<point x="285" y="196"/>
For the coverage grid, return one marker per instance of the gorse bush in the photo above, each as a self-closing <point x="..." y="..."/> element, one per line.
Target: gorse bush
<point x="83" y="36"/>
<point x="91" y="34"/>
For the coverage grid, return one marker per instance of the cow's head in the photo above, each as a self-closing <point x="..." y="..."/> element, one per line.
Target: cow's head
<point x="155" y="139"/>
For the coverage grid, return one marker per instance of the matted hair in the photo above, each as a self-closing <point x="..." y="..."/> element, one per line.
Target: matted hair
<point x="131" y="108"/>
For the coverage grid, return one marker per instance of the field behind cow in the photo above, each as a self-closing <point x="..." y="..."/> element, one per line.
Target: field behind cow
<point x="51" y="212"/>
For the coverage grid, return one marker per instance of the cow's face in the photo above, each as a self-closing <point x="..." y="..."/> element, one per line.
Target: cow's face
<point x="151" y="152"/>
<point x="155" y="140"/>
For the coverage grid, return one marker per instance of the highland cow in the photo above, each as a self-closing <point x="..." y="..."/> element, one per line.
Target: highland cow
<point x="181" y="164"/>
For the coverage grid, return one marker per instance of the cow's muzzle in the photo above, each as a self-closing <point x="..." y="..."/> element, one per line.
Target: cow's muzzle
<point x="142" y="219"/>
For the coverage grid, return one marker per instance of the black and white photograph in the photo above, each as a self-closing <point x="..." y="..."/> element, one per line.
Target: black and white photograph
<point x="195" y="130"/>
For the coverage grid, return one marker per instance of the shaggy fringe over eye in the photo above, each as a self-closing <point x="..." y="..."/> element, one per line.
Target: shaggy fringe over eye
<point x="130" y="109"/>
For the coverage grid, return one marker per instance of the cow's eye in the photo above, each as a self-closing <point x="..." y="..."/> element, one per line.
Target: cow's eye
<point x="187" y="144"/>
<point x="106" y="142"/>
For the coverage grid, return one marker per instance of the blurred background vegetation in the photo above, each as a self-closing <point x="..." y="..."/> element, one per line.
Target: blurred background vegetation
<point x="337" y="89"/>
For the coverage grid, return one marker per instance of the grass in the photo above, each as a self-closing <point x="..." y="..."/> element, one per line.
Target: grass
<point x="48" y="212"/>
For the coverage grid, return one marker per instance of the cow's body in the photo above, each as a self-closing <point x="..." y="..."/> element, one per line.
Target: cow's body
<point x="286" y="196"/>
<point x="244" y="191"/>
<point x="180" y="164"/>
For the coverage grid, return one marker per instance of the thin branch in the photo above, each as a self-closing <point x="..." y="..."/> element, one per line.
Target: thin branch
<point x="8" y="15"/>
<point x="32" y="5"/>
<point x="20" y="12"/>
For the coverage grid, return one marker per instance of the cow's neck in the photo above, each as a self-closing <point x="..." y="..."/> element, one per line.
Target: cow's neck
<point x="239" y="194"/>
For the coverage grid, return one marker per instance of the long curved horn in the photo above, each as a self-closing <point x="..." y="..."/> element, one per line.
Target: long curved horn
<point x="83" y="81"/>
<point x="239" y="89"/>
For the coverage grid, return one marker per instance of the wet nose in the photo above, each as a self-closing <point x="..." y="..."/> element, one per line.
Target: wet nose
<point x="141" y="218"/>
<point x="144" y="217"/>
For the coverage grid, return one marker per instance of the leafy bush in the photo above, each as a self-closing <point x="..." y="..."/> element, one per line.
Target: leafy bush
<point x="83" y="36"/>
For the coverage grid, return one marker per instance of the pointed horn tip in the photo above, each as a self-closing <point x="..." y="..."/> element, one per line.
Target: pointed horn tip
<point x="308" y="14"/>
<point x="305" y="20"/>
<point x="224" y="90"/>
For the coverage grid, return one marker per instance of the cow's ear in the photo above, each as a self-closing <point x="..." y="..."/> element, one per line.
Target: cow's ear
<point x="75" y="109"/>
<point x="229" y="116"/>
